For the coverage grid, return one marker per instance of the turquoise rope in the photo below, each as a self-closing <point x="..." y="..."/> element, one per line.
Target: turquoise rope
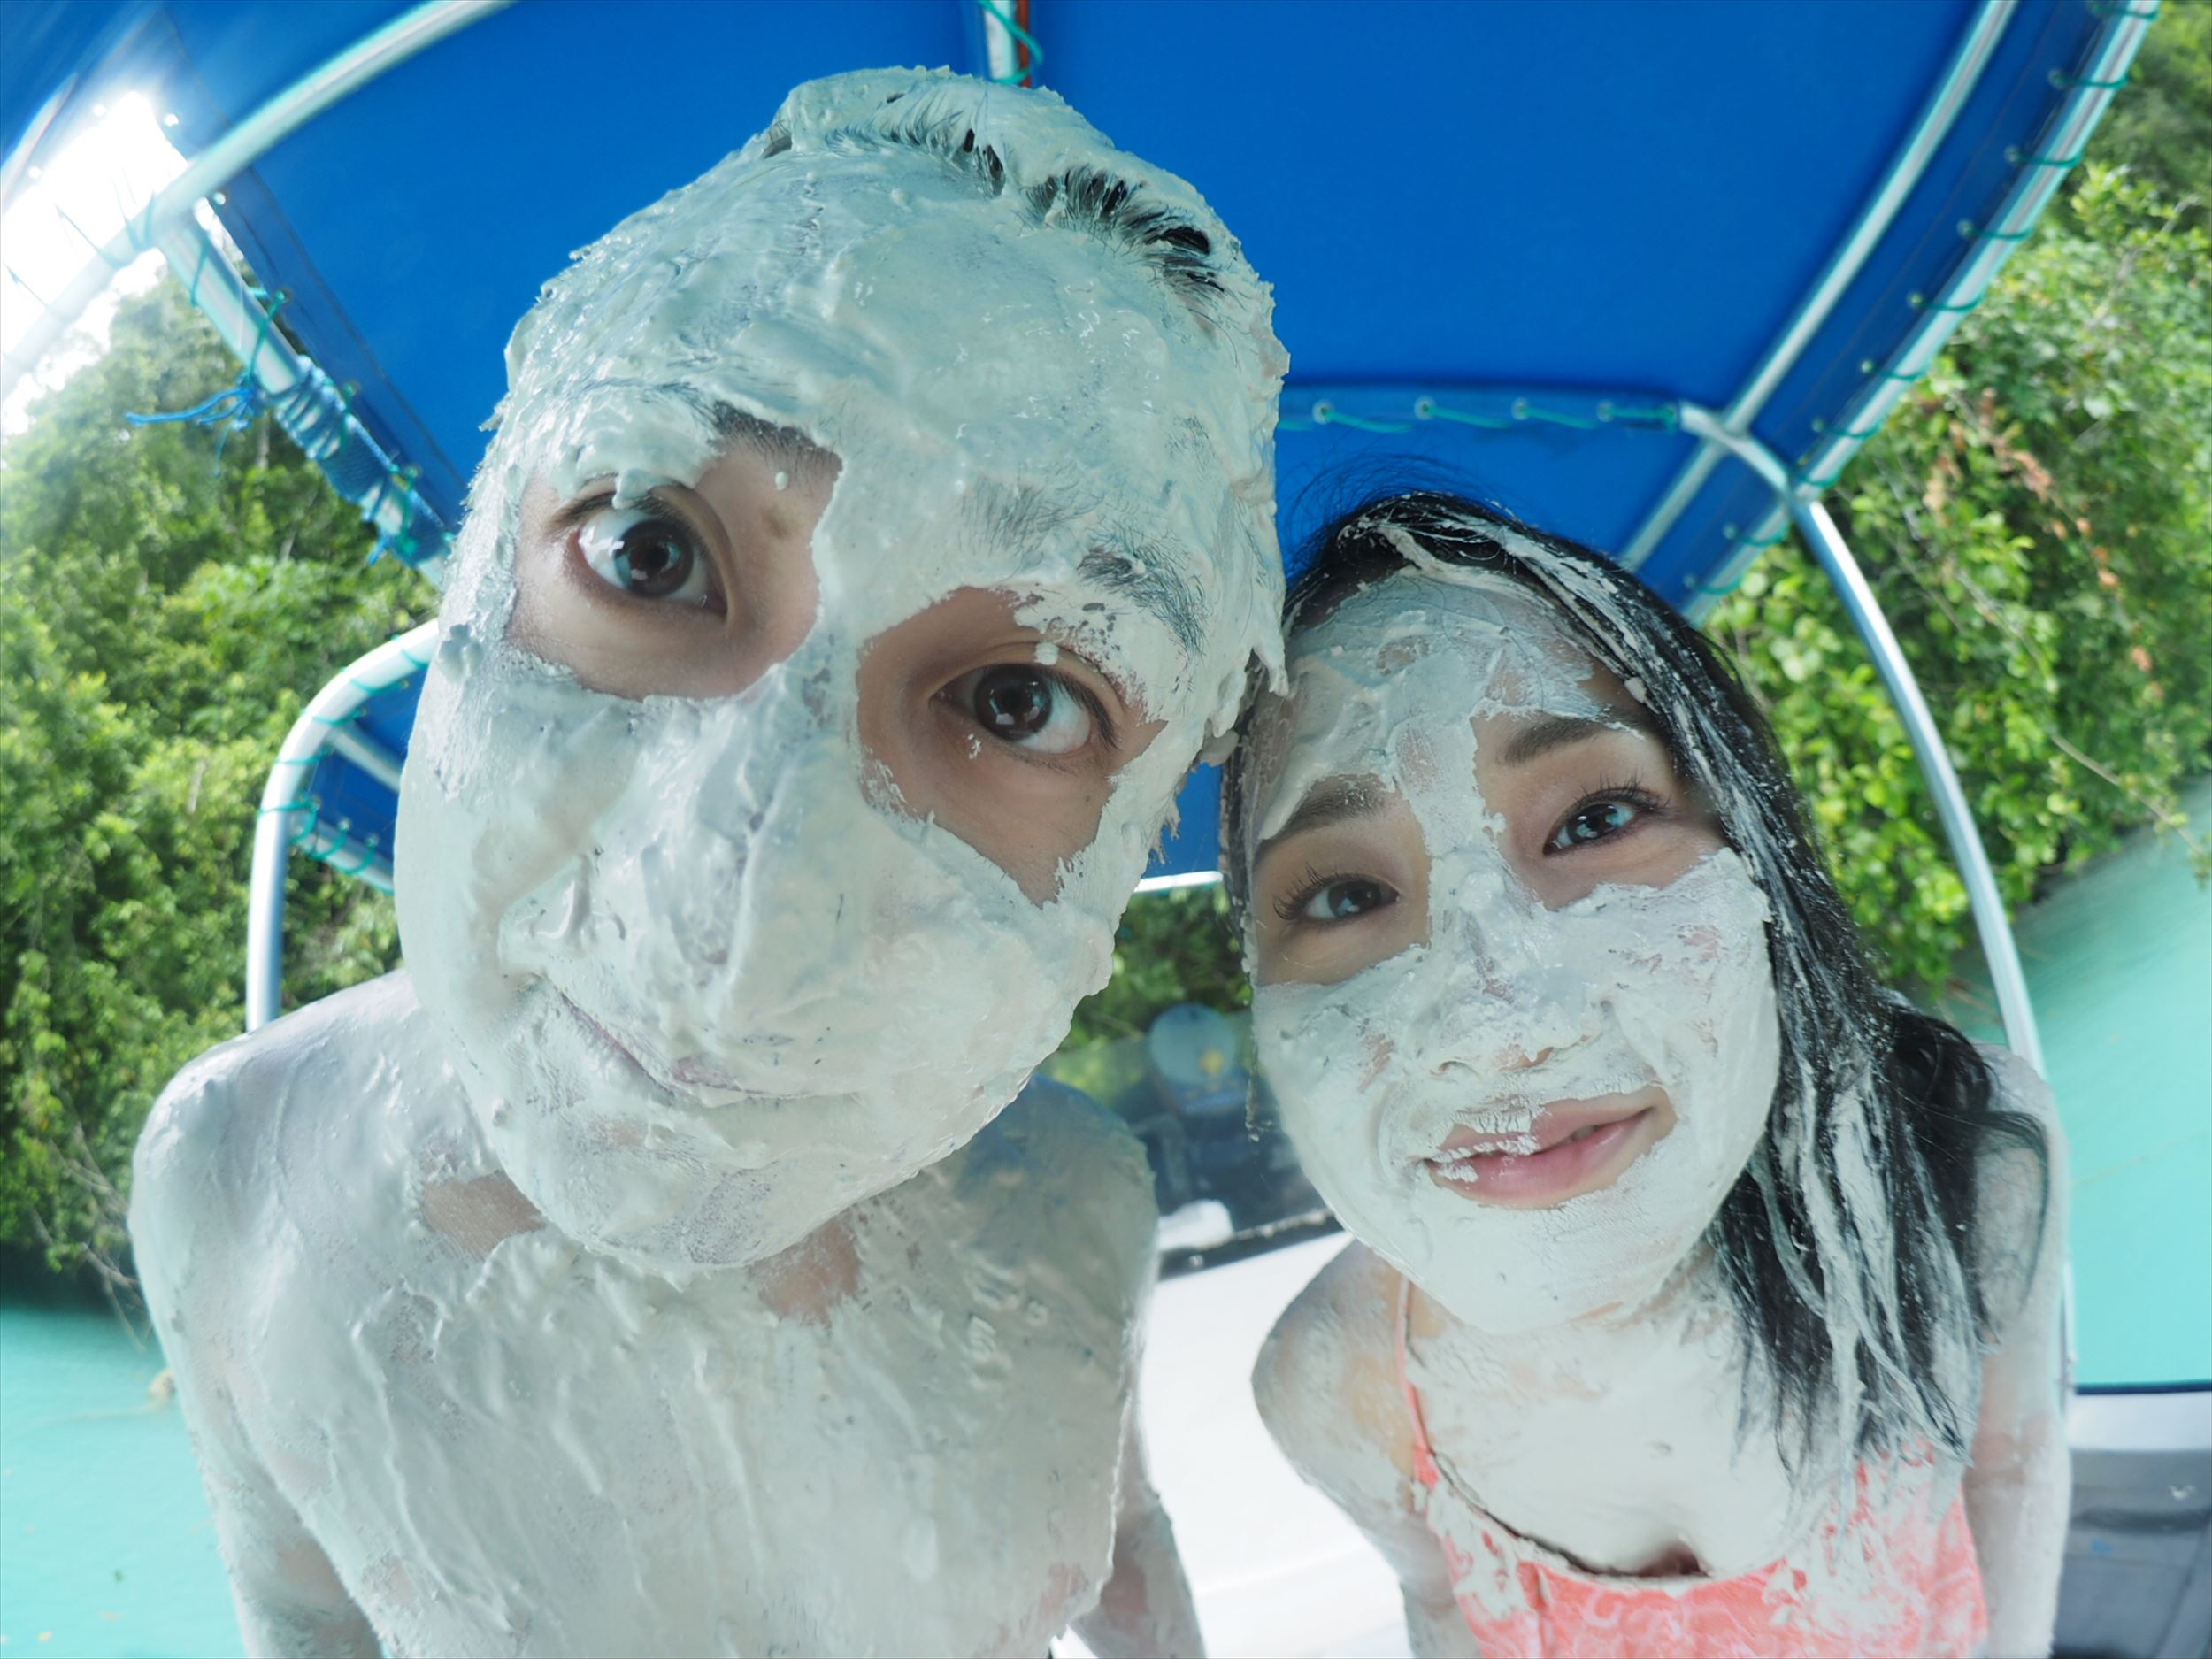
<point x="112" y="263"/>
<point x="1523" y="409"/>
<point x="1326" y="414"/>
<point x="1036" y="52"/>
<point x="1662" y="416"/>
<point x="1428" y="409"/>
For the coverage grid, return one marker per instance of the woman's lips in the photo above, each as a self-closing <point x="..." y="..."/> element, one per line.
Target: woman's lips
<point x="1572" y="1148"/>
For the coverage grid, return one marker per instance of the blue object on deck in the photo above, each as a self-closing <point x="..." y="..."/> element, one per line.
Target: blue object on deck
<point x="1610" y="208"/>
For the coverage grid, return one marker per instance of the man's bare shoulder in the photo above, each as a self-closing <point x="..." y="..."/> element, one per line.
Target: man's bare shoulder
<point x="1326" y="1385"/>
<point x="213" y="1155"/>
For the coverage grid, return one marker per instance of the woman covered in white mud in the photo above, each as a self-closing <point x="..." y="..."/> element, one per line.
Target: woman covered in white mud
<point x="875" y="529"/>
<point x="1705" y="1294"/>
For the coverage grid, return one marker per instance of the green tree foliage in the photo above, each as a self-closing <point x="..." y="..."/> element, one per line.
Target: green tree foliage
<point x="2037" y="521"/>
<point x="2161" y="126"/>
<point x="1173" y="947"/>
<point x="162" y="621"/>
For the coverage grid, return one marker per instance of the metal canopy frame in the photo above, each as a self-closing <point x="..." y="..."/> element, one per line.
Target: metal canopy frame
<point x="290" y="817"/>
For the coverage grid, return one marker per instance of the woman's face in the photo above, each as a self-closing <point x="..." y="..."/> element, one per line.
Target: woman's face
<point x="1009" y="738"/>
<point x="1513" y="991"/>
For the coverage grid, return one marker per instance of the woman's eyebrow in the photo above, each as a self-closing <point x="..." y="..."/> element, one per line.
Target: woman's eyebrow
<point x="1330" y="801"/>
<point x="1541" y="736"/>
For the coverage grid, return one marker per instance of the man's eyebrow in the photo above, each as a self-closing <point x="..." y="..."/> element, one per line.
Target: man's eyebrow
<point x="1333" y="800"/>
<point x="1152" y="576"/>
<point x="1024" y="520"/>
<point x="780" y="446"/>
<point x="1551" y="731"/>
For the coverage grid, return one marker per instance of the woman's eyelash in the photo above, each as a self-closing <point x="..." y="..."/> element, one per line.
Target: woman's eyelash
<point x="1309" y="884"/>
<point x="1632" y="791"/>
<point x="1632" y="788"/>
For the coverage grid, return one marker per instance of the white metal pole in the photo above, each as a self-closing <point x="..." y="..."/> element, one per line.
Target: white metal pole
<point x="1948" y="96"/>
<point x="325" y="724"/>
<point x="1967" y="852"/>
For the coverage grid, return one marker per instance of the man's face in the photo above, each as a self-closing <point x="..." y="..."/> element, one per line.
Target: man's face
<point x="845" y="609"/>
<point x="1008" y="736"/>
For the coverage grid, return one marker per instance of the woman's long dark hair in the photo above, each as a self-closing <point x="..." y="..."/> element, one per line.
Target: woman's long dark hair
<point x="1854" y="1223"/>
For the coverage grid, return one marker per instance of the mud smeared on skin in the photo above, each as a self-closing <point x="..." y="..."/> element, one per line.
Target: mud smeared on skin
<point x="1627" y="987"/>
<point x="689" y="989"/>
<point x="813" y="993"/>
<point x="1583" y="1369"/>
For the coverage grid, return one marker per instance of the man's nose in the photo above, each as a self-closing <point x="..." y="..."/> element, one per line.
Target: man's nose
<point x="747" y="780"/>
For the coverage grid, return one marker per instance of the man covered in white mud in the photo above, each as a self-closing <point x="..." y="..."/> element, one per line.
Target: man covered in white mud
<point x="875" y="530"/>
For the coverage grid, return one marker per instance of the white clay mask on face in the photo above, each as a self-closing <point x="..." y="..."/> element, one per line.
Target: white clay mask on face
<point x="707" y="977"/>
<point x="1508" y="1017"/>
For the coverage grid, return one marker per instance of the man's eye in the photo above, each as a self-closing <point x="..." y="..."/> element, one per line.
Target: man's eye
<point x="1342" y="899"/>
<point x="1594" y="821"/>
<point x="1028" y="707"/>
<point x="648" y="555"/>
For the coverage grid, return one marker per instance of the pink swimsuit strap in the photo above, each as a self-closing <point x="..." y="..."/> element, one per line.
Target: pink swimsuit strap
<point x="1425" y="1469"/>
<point x="1519" y="1601"/>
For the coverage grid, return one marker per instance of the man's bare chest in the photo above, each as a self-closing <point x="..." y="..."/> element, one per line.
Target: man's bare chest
<point x="545" y="1452"/>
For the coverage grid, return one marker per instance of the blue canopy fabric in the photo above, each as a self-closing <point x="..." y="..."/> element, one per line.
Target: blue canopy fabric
<point x="1505" y="238"/>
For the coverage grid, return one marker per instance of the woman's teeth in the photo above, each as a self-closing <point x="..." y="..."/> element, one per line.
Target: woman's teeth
<point x="1466" y="1160"/>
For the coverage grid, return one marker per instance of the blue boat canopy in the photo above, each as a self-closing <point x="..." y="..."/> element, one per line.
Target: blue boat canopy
<point x="1544" y="252"/>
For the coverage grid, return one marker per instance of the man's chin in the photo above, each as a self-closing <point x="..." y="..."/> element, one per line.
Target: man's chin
<point x="676" y="1198"/>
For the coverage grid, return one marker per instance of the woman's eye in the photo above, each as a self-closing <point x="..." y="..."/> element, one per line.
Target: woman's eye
<point x="1592" y="821"/>
<point x="1027" y="706"/>
<point x="646" y="555"/>
<point x="1341" y="900"/>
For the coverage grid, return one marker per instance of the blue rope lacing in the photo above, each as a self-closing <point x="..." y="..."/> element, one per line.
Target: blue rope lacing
<point x="318" y="415"/>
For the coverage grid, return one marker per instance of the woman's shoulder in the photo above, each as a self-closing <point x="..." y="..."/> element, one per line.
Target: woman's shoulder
<point x="1326" y="1384"/>
<point x="2021" y="1183"/>
<point x="2017" y="1085"/>
<point x="2014" y="1162"/>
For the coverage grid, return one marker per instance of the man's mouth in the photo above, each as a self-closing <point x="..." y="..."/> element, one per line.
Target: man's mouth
<point x="1572" y="1146"/>
<point x="692" y="1081"/>
<point x="622" y="1051"/>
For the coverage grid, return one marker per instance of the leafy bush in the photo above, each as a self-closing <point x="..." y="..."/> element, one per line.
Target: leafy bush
<point x="2037" y="521"/>
<point x="160" y="625"/>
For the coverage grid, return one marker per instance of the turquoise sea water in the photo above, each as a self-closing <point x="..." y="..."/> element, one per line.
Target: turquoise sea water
<point x="106" y="1548"/>
<point x="105" y="1545"/>
<point x="2119" y="966"/>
